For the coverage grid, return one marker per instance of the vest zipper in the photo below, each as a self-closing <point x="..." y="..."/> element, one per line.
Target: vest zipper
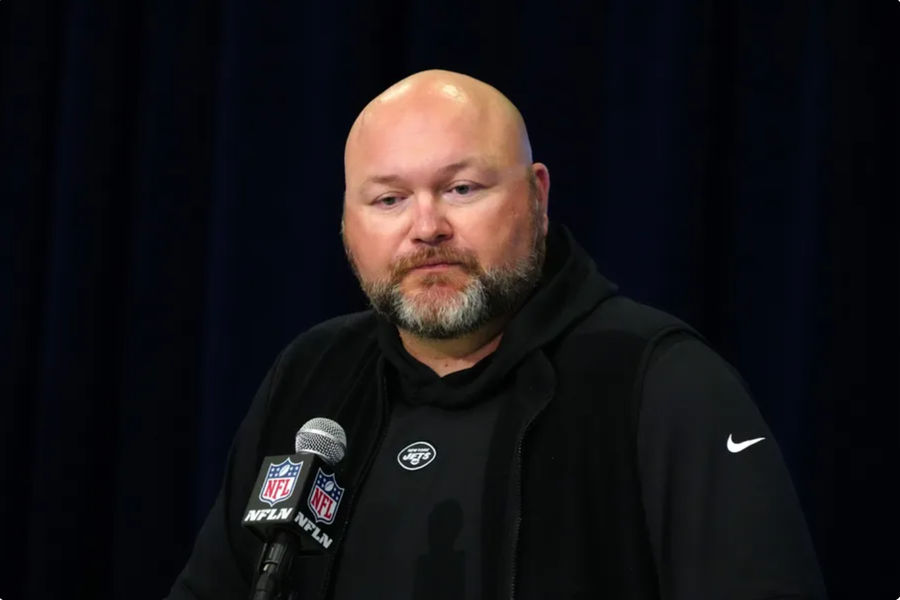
<point x="518" y="520"/>
<point x="327" y="583"/>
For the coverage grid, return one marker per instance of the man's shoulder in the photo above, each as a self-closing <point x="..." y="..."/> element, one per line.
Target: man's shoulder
<point x="311" y="371"/>
<point x="623" y="316"/>
<point x="620" y="336"/>
<point x="623" y="335"/>
<point x="341" y="336"/>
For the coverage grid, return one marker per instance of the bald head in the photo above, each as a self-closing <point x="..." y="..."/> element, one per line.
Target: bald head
<point x="445" y="215"/>
<point x="414" y="108"/>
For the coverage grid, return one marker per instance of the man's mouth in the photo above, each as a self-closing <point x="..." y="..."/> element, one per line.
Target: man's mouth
<point x="434" y="265"/>
<point x="427" y="263"/>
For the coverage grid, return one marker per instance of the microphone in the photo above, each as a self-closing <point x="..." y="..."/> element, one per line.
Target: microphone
<point x="294" y="504"/>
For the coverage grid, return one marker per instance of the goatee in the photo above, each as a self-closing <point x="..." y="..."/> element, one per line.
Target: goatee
<point x="488" y="293"/>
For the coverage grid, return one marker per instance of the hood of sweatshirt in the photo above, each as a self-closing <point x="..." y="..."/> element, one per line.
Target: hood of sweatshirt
<point x="569" y="288"/>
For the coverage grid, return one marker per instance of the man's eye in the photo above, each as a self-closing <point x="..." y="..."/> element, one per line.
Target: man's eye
<point x="388" y="201"/>
<point x="463" y="189"/>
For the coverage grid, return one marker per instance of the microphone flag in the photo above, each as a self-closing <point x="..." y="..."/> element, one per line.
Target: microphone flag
<point x="298" y="493"/>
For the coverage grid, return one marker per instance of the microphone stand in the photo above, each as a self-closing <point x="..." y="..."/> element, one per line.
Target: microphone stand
<point x="275" y="568"/>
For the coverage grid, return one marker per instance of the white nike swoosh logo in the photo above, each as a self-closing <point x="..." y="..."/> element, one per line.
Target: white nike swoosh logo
<point x="734" y="448"/>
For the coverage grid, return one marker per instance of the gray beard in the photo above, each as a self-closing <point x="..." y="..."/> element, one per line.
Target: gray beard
<point x="488" y="295"/>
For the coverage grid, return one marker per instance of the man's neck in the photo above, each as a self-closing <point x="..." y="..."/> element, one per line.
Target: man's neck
<point x="455" y="354"/>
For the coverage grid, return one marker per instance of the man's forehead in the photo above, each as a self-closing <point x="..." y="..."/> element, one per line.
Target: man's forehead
<point x="407" y="91"/>
<point x="420" y="114"/>
<point x="438" y="118"/>
<point x="419" y="160"/>
<point x="432" y="91"/>
<point x="483" y="164"/>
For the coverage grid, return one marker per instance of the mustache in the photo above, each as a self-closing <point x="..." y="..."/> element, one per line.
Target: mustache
<point x="465" y="259"/>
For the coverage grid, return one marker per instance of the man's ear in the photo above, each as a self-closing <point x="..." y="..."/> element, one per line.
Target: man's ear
<point x="542" y="178"/>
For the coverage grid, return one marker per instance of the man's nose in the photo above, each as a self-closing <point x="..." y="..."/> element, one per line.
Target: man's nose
<point x="431" y="225"/>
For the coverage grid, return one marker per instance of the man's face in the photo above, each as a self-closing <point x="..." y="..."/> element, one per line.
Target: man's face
<point x="443" y="224"/>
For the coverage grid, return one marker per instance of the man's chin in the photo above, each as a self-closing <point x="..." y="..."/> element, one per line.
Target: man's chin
<point x="433" y="299"/>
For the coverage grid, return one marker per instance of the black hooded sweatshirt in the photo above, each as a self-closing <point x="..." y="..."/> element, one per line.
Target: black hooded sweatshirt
<point x="602" y="451"/>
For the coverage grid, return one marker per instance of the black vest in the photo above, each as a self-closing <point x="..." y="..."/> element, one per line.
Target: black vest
<point x="566" y="520"/>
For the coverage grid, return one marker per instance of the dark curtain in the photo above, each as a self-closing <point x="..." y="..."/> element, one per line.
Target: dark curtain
<point x="171" y="195"/>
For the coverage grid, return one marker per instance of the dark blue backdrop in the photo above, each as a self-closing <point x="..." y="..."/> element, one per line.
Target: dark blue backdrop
<point x="171" y="193"/>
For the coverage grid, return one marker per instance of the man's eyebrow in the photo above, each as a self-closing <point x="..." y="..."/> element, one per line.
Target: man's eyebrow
<point x="443" y="171"/>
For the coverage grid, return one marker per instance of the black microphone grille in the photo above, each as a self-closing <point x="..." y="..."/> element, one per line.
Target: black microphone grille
<point x="323" y="437"/>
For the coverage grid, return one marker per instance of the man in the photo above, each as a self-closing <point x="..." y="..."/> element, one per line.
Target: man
<point x="515" y="428"/>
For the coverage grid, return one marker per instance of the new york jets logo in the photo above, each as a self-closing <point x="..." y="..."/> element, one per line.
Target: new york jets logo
<point x="417" y="455"/>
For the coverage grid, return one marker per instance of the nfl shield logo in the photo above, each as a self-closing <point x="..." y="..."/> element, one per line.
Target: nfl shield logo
<point x="325" y="497"/>
<point x="280" y="481"/>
